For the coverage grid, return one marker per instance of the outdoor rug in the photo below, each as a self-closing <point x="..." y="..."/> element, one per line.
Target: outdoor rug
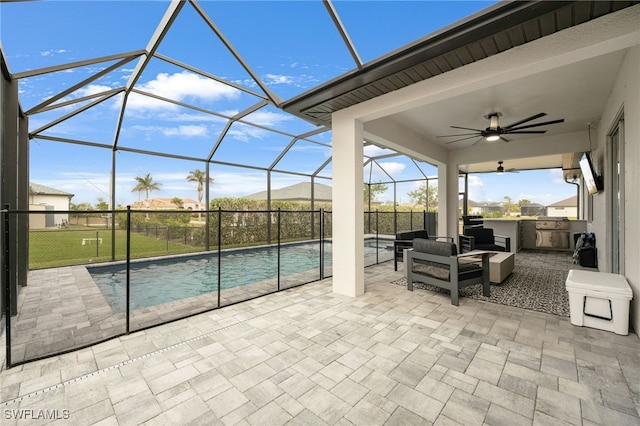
<point x="535" y="289"/>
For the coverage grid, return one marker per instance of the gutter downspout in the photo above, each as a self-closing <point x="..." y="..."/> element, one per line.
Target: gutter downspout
<point x="572" y="182"/>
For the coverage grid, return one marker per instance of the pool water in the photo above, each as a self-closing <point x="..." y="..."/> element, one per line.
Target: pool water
<point x="154" y="283"/>
<point x="158" y="282"/>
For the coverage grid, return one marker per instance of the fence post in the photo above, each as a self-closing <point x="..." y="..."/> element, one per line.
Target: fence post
<point x="377" y="240"/>
<point x="207" y="231"/>
<point x="128" y="269"/>
<point x="395" y="220"/>
<point x="321" y="244"/>
<point x="7" y="284"/>
<point x="219" y="251"/>
<point x="279" y="218"/>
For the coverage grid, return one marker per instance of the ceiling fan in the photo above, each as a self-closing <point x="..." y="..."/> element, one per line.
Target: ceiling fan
<point x="494" y="132"/>
<point x="500" y="170"/>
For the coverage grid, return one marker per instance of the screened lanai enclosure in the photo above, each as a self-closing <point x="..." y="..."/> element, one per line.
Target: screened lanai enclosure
<point x="147" y="181"/>
<point x="162" y="159"/>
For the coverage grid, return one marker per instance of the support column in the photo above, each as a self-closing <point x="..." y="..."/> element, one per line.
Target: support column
<point x="348" y="206"/>
<point x="442" y="200"/>
<point x="22" y="184"/>
<point x="453" y="189"/>
<point x="9" y="170"/>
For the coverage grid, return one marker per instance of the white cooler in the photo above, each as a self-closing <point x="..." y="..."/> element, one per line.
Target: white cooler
<point x="599" y="300"/>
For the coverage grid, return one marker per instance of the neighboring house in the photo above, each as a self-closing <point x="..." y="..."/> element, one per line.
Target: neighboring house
<point x="534" y="209"/>
<point x="564" y="208"/>
<point x="298" y="192"/>
<point x="44" y="198"/>
<point x="167" y="204"/>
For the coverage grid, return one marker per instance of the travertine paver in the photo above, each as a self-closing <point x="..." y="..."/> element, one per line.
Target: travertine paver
<point x="307" y="356"/>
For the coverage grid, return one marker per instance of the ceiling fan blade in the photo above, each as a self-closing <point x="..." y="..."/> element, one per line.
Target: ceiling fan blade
<point x="533" y="117"/>
<point x="504" y="138"/>
<point x="466" y="128"/>
<point x="462" y="134"/>
<point x="512" y="171"/>
<point x="460" y="140"/>
<point x="536" y="125"/>
<point x="530" y="132"/>
<point x="478" y="141"/>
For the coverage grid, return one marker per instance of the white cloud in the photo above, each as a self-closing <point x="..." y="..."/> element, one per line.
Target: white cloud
<point x="245" y="133"/>
<point x="391" y="167"/>
<point x="278" y="79"/>
<point x="557" y="176"/>
<point x="180" y="87"/>
<point x="266" y="118"/>
<point x="313" y="148"/>
<point x="92" y="89"/>
<point x="375" y="151"/>
<point x="476" y="188"/>
<point x="187" y="131"/>
<point x="52" y="52"/>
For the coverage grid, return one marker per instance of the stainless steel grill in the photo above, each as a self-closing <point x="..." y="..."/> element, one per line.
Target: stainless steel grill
<point x="552" y="232"/>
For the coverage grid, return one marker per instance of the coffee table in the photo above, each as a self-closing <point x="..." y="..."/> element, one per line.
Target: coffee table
<point x="500" y="265"/>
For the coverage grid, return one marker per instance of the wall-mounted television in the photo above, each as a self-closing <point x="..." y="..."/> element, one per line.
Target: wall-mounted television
<point x="589" y="175"/>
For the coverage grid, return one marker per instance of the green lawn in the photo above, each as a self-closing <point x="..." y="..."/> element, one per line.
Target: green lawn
<point x="62" y="247"/>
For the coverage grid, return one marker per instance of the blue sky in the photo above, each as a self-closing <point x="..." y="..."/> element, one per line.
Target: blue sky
<point x="291" y="46"/>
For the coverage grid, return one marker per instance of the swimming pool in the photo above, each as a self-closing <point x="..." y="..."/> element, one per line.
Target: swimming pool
<point x="168" y="280"/>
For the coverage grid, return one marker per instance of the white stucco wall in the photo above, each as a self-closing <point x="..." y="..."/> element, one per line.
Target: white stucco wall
<point x="625" y="95"/>
<point x="562" y="211"/>
<point x="59" y="202"/>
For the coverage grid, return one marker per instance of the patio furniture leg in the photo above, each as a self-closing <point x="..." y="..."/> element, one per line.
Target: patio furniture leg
<point x="486" y="284"/>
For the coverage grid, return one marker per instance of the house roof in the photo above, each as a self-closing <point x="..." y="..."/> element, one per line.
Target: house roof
<point x="156" y="203"/>
<point x="37" y="189"/>
<point x="569" y="202"/>
<point x="299" y="191"/>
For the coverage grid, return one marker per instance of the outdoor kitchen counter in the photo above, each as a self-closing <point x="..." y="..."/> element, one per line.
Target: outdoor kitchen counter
<point x="528" y="232"/>
<point x="507" y="227"/>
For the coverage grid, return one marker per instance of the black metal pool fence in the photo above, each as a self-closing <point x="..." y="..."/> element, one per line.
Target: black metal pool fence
<point x="51" y="303"/>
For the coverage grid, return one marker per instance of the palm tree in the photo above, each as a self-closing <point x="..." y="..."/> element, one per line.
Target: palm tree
<point x="200" y="178"/>
<point x="145" y="184"/>
<point x="177" y="201"/>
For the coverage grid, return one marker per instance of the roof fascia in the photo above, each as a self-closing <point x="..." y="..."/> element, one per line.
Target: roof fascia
<point x="490" y="21"/>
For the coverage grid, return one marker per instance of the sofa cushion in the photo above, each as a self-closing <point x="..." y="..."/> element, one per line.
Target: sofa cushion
<point x="437" y="270"/>
<point x="410" y="235"/>
<point x="482" y="235"/>
<point x="439" y="248"/>
<point x="432" y="270"/>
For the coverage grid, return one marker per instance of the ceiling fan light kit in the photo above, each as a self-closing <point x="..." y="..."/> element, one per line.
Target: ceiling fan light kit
<point x="492" y="136"/>
<point x="494" y="132"/>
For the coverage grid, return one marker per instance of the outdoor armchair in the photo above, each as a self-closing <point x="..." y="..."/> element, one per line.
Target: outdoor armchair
<point x="404" y="240"/>
<point x="438" y="263"/>
<point x="483" y="239"/>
